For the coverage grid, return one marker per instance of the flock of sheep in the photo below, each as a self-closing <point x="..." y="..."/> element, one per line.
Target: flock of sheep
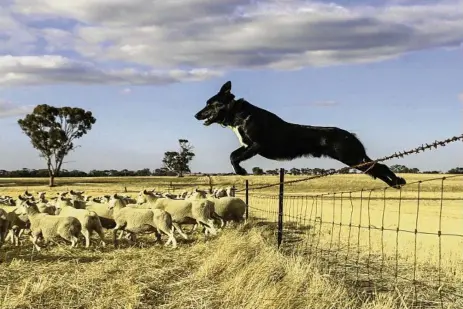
<point x="70" y="214"/>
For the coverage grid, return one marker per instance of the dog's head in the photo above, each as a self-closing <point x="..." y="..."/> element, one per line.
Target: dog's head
<point x="218" y="106"/>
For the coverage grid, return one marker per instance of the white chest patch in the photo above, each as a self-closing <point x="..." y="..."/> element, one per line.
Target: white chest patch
<point x="240" y="138"/>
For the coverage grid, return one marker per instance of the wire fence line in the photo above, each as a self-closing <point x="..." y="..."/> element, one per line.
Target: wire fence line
<point x="408" y="241"/>
<point x="401" y="154"/>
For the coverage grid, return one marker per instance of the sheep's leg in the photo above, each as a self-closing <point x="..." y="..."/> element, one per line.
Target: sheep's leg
<point x="179" y="230"/>
<point x="171" y="239"/>
<point x="209" y="227"/>
<point x="34" y="242"/>
<point x="74" y="241"/>
<point x="219" y="218"/>
<point x="195" y="226"/>
<point x="86" y="234"/>
<point x="8" y="236"/>
<point x="102" y="238"/>
<point x="157" y="234"/>
<point x="121" y="234"/>
<point x="132" y="238"/>
<point x="115" y="240"/>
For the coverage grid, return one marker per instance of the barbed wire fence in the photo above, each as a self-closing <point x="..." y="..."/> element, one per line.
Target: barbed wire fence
<point x="407" y="240"/>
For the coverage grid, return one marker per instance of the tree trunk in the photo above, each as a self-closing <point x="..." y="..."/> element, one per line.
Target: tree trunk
<point x="52" y="181"/>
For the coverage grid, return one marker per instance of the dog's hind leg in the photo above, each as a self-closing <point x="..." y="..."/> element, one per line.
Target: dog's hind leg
<point x="241" y="154"/>
<point x="354" y="153"/>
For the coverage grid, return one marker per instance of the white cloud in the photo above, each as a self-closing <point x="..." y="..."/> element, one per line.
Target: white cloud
<point x="126" y="91"/>
<point x="8" y="109"/>
<point x="230" y="34"/>
<point x="42" y="70"/>
<point x="324" y="103"/>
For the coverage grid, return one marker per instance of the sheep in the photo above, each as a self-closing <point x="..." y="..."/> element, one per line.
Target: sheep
<point x="18" y="223"/>
<point x="218" y="193"/>
<point x="43" y="204"/>
<point x="231" y="191"/>
<point x="182" y="195"/>
<point x="226" y="208"/>
<point x="135" y="221"/>
<point x="88" y="219"/>
<point x="7" y="201"/>
<point x="169" y="195"/>
<point x="77" y="194"/>
<point x="4" y="226"/>
<point x="104" y="213"/>
<point x="129" y="200"/>
<point x="50" y="227"/>
<point x="182" y="211"/>
<point x="229" y="209"/>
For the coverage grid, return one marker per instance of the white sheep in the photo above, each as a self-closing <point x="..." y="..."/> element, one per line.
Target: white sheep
<point x="49" y="227"/>
<point x="18" y="223"/>
<point x="182" y="211"/>
<point x="134" y="221"/>
<point x="4" y="226"/>
<point x="88" y="219"/>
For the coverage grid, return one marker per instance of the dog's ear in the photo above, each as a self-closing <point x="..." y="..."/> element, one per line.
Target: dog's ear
<point x="235" y="105"/>
<point x="226" y="88"/>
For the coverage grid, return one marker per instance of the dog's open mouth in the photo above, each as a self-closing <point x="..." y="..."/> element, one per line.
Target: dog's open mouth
<point x="209" y="121"/>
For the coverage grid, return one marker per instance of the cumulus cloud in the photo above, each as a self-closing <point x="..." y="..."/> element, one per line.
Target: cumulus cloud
<point x="232" y="34"/>
<point x="8" y="109"/>
<point x="43" y="70"/>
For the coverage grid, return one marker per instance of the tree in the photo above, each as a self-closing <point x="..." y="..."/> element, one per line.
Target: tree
<point x="456" y="170"/>
<point x="257" y="171"/>
<point x="53" y="130"/>
<point x="179" y="161"/>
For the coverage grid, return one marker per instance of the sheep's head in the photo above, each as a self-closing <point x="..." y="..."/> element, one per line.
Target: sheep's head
<point x="64" y="201"/>
<point x="28" y="207"/>
<point x="41" y="195"/>
<point x="116" y="201"/>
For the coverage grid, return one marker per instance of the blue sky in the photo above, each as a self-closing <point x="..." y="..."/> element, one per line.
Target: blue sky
<point x="389" y="71"/>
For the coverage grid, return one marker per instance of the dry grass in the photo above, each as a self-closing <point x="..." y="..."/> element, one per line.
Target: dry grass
<point x="241" y="268"/>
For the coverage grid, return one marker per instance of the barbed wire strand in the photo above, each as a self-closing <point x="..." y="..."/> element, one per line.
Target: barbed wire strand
<point x="402" y="154"/>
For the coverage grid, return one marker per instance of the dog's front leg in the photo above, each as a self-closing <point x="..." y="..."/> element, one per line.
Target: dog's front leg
<point x="241" y="154"/>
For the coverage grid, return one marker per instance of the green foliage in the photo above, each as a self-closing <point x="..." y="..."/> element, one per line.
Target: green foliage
<point x="397" y="168"/>
<point x="53" y="130"/>
<point x="257" y="171"/>
<point x="179" y="161"/>
<point x="456" y="170"/>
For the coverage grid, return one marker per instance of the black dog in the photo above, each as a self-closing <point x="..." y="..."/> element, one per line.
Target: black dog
<point x="261" y="132"/>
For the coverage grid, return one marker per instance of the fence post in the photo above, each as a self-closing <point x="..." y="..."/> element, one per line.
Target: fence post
<point x="247" y="200"/>
<point x="280" y="207"/>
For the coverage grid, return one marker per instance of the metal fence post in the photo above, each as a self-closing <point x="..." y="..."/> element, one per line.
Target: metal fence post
<point x="280" y="207"/>
<point x="247" y="199"/>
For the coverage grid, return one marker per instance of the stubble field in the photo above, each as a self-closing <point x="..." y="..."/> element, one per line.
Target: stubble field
<point x="241" y="268"/>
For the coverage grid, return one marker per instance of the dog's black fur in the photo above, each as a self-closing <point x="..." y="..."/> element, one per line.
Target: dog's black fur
<point x="264" y="133"/>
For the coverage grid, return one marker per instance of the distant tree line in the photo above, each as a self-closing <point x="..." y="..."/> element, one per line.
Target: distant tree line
<point x="163" y="171"/>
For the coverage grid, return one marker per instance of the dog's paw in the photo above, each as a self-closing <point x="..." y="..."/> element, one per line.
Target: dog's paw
<point x="399" y="183"/>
